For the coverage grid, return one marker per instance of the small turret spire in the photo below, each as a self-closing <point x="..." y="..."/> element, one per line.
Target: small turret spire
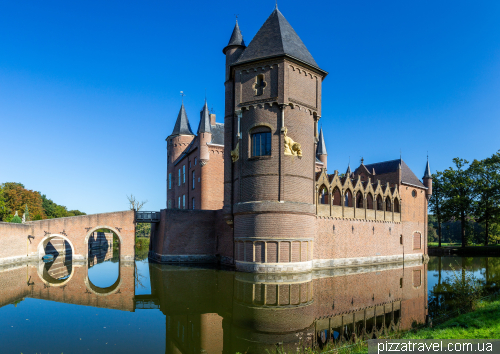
<point x="348" y="172"/>
<point x="427" y="173"/>
<point x="321" y="148"/>
<point x="182" y="126"/>
<point x="236" y="37"/>
<point x="204" y="126"/>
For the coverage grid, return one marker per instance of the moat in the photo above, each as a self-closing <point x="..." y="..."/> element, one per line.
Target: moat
<point x="107" y="306"/>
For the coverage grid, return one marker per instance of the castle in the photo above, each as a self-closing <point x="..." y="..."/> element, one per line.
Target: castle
<point x="254" y="192"/>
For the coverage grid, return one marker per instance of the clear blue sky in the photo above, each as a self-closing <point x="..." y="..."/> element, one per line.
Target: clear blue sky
<point x="89" y="90"/>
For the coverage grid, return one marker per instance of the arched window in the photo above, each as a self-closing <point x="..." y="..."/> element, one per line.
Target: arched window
<point x="369" y="201"/>
<point x="337" y="200"/>
<point x="396" y="205"/>
<point x="261" y="142"/>
<point x="323" y="195"/>
<point x="387" y="204"/>
<point x="379" y="203"/>
<point x="359" y="200"/>
<point x="348" y="198"/>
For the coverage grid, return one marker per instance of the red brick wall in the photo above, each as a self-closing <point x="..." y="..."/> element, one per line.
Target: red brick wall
<point x="362" y="241"/>
<point x="14" y="239"/>
<point x="185" y="232"/>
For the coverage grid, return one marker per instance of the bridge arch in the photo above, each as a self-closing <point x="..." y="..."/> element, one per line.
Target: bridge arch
<point x="103" y="291"/>
<point x="92" y="230"/>
<point x="88" y="283"/>
<point x="42" y="272"/>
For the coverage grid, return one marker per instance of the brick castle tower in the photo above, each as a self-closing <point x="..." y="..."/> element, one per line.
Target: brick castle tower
<point x="273" y="104"/>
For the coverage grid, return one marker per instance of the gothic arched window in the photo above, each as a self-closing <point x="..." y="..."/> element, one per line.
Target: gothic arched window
<point x="323" y="195"/>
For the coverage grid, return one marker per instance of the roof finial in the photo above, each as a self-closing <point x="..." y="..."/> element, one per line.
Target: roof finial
<point x="400" y="154"/>
<point x="276" y="7"/>
<point x="236" y="15"/>
<point x="205" y="95"/>
<point x="182" y="95"/>
<point x="362" y="160"/>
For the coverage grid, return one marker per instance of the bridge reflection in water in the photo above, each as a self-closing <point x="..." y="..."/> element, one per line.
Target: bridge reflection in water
<point x="219" y="311"/>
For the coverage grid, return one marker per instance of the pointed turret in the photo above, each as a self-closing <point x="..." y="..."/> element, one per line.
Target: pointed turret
<point x="181" y="136"/>
<point x="321" y="149"/>
<point x="348" y="172"/>
<point x="236" y="38"/>
<point x="181" y="126"/>
<point x="204" y="126"/>
<point x="427" y="173"/>
<point x="233" y="50"/>
<point x="427" y="179"/>
<point x="276" y="38"/>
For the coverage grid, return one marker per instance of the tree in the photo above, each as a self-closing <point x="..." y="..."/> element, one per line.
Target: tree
<point x="486" y="174"/>
<point x="135" y="204"/>
<point x="459" y="187"/>
<point x="436" y="202"/>
<point x="16" y="219"/>
<point x="2" y="204"/>
<point x="17" y="197"/>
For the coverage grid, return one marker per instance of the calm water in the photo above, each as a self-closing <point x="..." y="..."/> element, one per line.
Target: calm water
<point x="104" y="306"/>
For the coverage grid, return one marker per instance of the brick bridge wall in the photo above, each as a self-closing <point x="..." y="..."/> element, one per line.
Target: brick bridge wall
<point x="15" y="245"/>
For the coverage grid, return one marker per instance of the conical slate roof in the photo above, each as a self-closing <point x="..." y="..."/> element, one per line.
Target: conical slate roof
<point x="427" y="173"/>
<point x="236" y="37"/>
<point x="276" y="37"/>
<point x="182" y="126"/>
<point x="348" y="172"/>
<point x="204" y="126"/>
<point x="321" y="148"/>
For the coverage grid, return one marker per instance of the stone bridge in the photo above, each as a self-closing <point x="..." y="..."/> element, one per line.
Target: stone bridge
<point x="24" y="242"/>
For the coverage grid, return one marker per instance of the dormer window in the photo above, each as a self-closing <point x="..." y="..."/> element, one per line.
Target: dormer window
<point x="259" y="85"/>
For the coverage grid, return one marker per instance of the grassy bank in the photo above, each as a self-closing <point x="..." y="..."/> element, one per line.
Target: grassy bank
<point x="484" y="323"/>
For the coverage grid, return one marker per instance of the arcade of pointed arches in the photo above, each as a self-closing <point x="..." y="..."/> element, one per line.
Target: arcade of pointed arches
<point x="352" y="198"/>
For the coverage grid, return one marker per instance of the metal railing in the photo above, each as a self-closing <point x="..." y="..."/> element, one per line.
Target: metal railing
<point x="147" y="216"/>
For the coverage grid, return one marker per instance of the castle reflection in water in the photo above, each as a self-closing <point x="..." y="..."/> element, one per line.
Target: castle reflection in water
<point x="219" y="311"/>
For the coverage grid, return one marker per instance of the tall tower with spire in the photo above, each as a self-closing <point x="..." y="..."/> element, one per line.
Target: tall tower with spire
<point x="273" y="104"/>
